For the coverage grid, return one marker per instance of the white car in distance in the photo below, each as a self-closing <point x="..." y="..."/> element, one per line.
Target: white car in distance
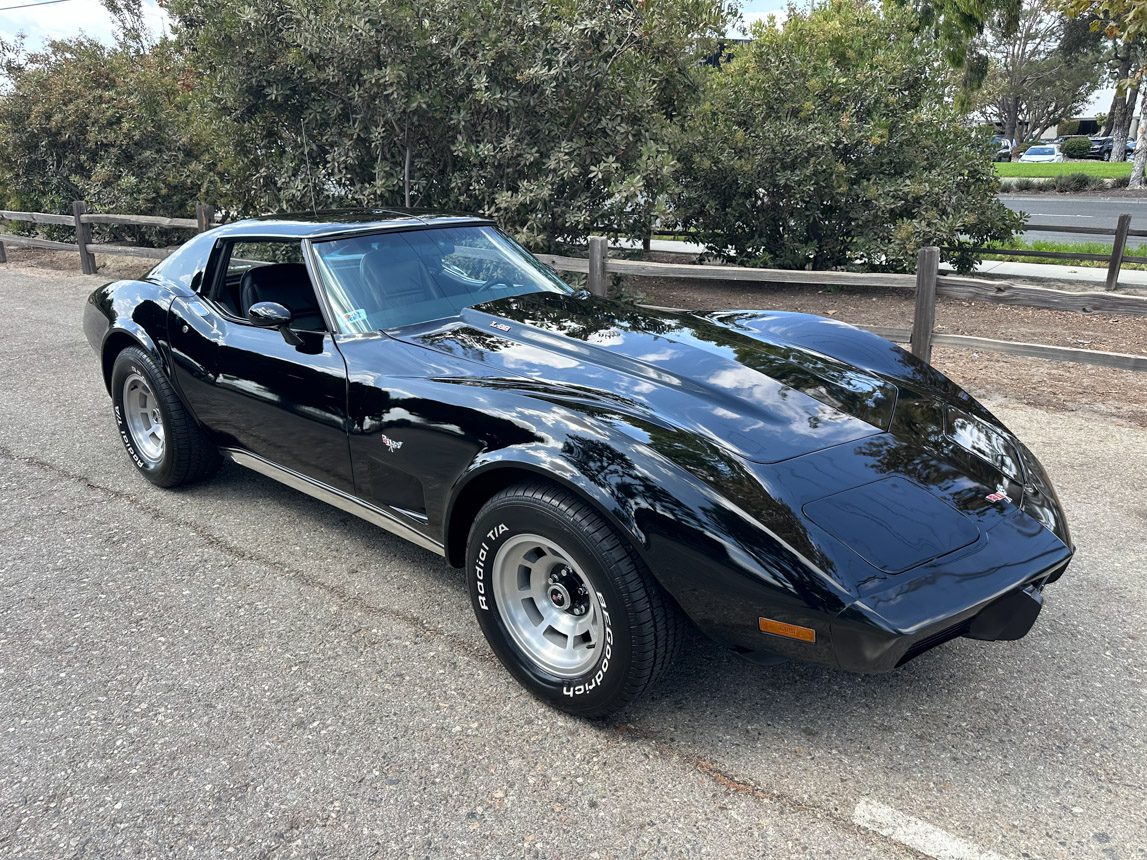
<point x="1042" y="154"/>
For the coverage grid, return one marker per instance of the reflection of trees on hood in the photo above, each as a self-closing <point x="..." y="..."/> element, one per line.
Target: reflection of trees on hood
<point x="581" y="319"/>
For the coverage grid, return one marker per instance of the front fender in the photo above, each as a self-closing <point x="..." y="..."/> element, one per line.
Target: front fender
<point x="717" y="561"/>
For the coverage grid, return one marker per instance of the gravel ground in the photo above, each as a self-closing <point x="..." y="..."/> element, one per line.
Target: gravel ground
<point x="236" y="668"/>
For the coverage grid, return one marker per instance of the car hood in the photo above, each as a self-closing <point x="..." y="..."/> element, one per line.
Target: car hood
<point x="764" y="401"/>
<point x="832" y="423"/>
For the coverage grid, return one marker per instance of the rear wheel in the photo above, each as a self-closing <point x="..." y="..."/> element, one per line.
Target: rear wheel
<point x="160" y="437"/>
<point x="565" y="603"/>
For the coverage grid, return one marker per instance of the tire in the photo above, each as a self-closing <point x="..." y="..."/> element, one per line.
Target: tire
<point x="538" y="554"/>
<point x="160" y="437"/>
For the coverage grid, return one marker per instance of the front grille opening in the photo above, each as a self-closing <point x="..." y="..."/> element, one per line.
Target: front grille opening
<point x="930" y="642"/>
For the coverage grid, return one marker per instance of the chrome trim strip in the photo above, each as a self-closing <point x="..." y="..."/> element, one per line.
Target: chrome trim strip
<point x="337" y="498"/>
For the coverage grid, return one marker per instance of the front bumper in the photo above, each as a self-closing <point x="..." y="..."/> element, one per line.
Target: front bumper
<point x="858" y="639"/>
<point x="862" y="644"/>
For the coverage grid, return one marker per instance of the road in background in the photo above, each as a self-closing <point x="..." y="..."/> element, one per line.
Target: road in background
<point x="1077" y="210"/>
<point x="238" y="668"/>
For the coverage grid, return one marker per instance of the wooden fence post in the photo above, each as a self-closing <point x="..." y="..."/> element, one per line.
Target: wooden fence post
<point x="204" y="216"/>
<point x="1117" y="251"/>
<point x="597" y="265"/>
<point x="3" y="253"/>
<point x="84" y="238"/>
<point x="927" y="268"/>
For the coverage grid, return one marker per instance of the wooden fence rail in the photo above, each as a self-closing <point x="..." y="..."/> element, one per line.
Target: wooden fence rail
<point x="81" y="220"/>
<point x="926" y="284"/>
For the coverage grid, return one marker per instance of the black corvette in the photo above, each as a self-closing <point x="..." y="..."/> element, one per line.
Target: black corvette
<point x="791" y="485"/>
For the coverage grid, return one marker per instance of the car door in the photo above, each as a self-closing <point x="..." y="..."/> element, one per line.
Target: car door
<point x="252" y="389"/>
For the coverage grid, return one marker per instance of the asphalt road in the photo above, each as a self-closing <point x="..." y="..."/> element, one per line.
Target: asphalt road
<point x="238" y="669"/>
<point x="1077" y="210"/>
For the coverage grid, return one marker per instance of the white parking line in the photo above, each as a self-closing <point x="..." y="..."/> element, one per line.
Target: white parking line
<point x="916" y="834"/>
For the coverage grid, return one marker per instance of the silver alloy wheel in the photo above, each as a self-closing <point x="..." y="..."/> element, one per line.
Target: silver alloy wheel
<point x="144" y="419"/>
<point x="548" y="605"/>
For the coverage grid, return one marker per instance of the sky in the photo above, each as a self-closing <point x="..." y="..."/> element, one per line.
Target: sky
<point x="43" y="21"/>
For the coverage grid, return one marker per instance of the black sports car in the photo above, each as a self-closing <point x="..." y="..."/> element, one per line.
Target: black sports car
<point x="791" y="485"/>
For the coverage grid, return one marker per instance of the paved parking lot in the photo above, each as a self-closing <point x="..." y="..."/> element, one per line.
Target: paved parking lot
<point x="238" y="668"/>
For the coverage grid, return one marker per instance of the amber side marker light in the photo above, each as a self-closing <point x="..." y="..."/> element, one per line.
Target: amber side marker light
<point x="789" y="631"/>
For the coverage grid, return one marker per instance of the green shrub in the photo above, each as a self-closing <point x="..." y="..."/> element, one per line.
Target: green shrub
<point x="133" y="143"/>
<point x="1074" y="182"/>
<point x="1025" y="184"/>
<point x="1076" y="147"/>
<point x="828" y="142"/>
<point x="546" y="116"/>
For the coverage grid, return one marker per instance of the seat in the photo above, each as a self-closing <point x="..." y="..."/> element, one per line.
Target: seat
<point x="395" y="276"/>
<point x="289" y="285"/>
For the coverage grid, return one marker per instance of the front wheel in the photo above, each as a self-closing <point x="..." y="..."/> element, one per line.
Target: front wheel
<point x="160" y="437"/>
<point x="566" y="605"/>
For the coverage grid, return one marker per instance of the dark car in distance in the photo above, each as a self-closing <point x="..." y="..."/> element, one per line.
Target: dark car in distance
<point x="606" y="474"/>
<point x="1102" y="147"/>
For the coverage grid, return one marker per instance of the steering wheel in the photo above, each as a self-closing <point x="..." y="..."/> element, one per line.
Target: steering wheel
<point x="496" y="281"/>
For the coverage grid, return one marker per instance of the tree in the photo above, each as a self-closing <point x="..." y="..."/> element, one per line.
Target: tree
<point x="1041" y="73"/>
<point x="1123" y="21"/>
<point x="546" y="115"/>
<point x="830" y="141"/>
<point x="131" y="143"/>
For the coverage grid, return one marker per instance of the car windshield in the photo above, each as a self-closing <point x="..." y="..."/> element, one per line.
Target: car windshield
<point x="386" y="280"/>
<point x="1042" y="150"/>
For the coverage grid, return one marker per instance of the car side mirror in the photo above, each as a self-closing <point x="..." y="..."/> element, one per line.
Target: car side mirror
<point x="274" y="315"/>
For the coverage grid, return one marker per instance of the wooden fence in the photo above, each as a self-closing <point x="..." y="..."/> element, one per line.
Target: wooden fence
<point x="81" y="221"/>
<point x="1115" y="260"/>
<point x="926" y="284"/>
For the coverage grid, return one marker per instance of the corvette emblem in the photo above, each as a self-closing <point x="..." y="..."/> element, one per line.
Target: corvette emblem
<point x="499" y="326"/>
<point x="392" y="444"/>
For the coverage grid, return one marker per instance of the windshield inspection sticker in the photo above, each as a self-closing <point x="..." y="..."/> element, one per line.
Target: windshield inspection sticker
<point x="356" y="316"/>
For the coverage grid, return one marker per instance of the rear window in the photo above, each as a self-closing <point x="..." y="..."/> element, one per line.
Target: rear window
<point x="186" y="264"/>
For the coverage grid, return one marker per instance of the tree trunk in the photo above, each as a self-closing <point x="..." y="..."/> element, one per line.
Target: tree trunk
<point x="1011" y="117"/>
<point x="1120" y="104"/>
<point x="1140" y="147"/>
<point x="1123" y="126"/>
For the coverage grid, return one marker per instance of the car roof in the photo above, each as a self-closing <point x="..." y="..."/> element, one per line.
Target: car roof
<point x="334" y="223"/>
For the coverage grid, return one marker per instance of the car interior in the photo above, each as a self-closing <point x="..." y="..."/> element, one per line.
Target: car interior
<point x="285" y="283"/>
<point x="266" y="271"/>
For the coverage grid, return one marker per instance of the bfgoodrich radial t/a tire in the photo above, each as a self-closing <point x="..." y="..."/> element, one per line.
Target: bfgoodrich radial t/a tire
<point x="160" y="437"/>
<point x="565" y="603"/>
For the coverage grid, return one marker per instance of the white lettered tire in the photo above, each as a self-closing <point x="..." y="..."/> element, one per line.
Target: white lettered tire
<point x="162" y="440"/>
<point x="565" y="602"/>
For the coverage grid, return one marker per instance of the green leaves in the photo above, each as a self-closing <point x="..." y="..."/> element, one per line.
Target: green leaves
<point x="132" y="142"/>
<point x="829" y="143"/>
<point x="543" y="114"/>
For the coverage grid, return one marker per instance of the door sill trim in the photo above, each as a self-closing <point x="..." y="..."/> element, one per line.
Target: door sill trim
<point x="337" y="498"/>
